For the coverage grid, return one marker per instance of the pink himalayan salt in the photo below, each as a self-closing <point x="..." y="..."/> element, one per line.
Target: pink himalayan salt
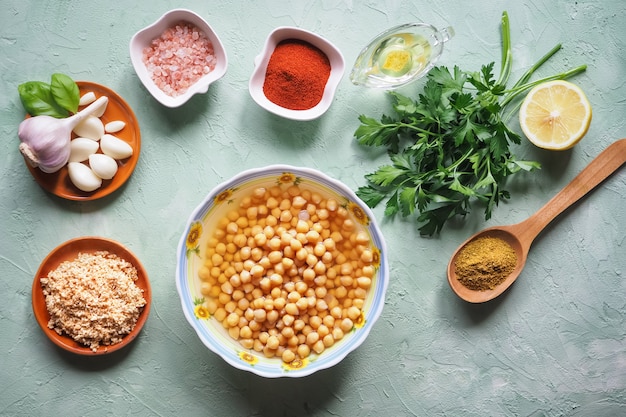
<point x="179" y="58"/>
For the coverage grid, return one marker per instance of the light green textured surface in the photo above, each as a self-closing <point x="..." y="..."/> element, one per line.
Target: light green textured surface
<point x="554" y="345"/>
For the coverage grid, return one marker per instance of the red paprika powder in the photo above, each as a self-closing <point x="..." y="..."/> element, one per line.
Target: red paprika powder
<point x="296" y="75"/>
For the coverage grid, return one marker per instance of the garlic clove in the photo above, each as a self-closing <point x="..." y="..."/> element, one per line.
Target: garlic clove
<point x="103" y="165"/>
<point x="91" y="127"/>
<point x="115" y="147"/>
<point x="83" y="177"/>
<point x="82" y="148"/>
<point x="87" y="98"/>
<point x="114" y="126"/>
<point x="102" y="108"/>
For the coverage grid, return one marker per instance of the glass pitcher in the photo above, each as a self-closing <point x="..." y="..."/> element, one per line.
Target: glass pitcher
<point x="399" y="55"/>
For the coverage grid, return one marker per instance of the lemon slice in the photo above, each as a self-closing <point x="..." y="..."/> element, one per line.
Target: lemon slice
<point x="555" y="115"/>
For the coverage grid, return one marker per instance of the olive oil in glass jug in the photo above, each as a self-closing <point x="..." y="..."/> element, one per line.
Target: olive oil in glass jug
<point x="399" y="55"/>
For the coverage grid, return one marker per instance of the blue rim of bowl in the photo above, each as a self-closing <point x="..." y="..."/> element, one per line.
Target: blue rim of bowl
<point x="220" y="343"/>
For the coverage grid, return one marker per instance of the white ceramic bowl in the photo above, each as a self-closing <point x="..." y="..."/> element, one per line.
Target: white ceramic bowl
<point x="257" y="79"/>
<point x="192" y="249"/>
<point x="144" y="37"/>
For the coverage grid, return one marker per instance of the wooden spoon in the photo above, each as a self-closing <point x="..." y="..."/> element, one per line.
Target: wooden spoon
<point x="521" y="235"/>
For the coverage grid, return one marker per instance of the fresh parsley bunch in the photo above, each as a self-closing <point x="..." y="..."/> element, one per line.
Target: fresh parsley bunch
<point x="450" y="146"/>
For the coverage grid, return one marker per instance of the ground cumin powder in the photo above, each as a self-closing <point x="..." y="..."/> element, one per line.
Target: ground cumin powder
<point x="484" y="263"/>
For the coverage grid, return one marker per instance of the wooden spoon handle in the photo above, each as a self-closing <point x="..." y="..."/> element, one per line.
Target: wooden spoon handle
<point x="605" y="164"/>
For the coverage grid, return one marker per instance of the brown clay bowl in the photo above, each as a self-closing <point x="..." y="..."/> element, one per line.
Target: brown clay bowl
<point x="68" y="251"/>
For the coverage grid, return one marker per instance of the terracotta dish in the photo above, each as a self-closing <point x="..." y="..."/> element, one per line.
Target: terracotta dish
<point x="59" y="182"/>
<point x="67" y="252"/>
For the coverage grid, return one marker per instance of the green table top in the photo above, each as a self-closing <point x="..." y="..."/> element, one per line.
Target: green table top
<point x="554" y="344"/>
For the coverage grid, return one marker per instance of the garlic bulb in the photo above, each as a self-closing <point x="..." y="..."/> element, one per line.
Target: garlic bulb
<point x="45" y="141"/>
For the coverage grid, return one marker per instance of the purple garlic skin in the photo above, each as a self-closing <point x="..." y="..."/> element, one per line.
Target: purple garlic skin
<point x="45" y="142"/>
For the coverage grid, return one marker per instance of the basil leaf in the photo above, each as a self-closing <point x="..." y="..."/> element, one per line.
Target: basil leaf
<point x="65" y="92"/>
<point x="36" y="97"/>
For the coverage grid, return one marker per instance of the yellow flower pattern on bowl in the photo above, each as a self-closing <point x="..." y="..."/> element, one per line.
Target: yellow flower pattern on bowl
<point x="193" y="238"/>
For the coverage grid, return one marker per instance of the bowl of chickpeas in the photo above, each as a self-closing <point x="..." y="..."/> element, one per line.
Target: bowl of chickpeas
<point x="282" y="271"/>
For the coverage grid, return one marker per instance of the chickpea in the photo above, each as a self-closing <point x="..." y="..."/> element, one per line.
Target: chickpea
<point x="272" y="316"/>
<point x="287" y="272"/>
<point x="315" y="322"/>
<point x="293" y="296"/>
<point x="247" y="343"/>
<point x="359" y="294"/>
<point x="254" y="325"/>
<point x="337" y="334"/>
<point x="336" y="312"/>
<point x="230" y="306"/>
<point x="205" y="288"/>
<point x="232" y="319"/>
<point x="292" y="309"/>
<point x="320" y="266"/>
<point x="268" y="352"/>
<point x="271" y="203"/>
<point x="288" y="356"/>
<point x="298" y="325"/>
<point x="346" y="325"/>
<point x="245" y="252"/>
<point x="319" y="347"/>
<point x="220" y="314"/>
<point x="233" y="332"/>
<point x="223" y="298"/>
<point x="328" y="321"/>
<point x="212" y="306"/>
<point x="328" y="340"/>
<point x="272" y="342"/>
<point x="301" y="287"/>
<point x="312" y="338"/>
<point x="302" y="304"/>
<point x="323" y="330"/>
<point x="320" y="305"/>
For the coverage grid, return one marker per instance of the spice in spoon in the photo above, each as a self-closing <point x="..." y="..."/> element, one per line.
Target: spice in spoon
<point x="484" y="263"/>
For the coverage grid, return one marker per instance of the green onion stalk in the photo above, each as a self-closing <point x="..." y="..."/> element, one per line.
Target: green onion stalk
<point x="523" y="84"/>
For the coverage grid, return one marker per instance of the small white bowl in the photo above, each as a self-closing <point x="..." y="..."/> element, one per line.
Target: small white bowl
<point x="257" y="79"/>
<point x="144" y="37"/>
<point x="199" y="231"/>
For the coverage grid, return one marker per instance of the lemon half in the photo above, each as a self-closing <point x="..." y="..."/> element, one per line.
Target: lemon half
<point x="555" y="115"/>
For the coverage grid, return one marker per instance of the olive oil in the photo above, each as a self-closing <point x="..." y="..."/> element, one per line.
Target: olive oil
<point x="399" y="56"/>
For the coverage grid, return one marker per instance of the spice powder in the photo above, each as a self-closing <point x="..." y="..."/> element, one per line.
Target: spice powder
<point x="296" y="75"/>
<point x="484" y="263"/>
